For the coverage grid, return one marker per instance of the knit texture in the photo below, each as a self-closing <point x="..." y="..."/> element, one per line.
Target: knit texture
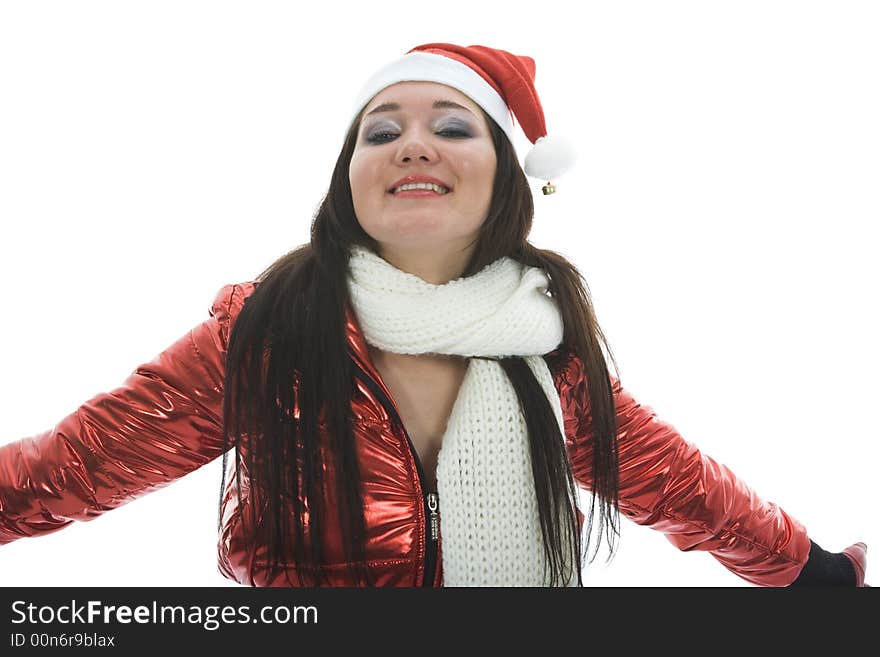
<point x="489" y="520"/>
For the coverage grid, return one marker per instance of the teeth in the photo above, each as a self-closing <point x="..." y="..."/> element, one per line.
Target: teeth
<point x="431" y="186"/>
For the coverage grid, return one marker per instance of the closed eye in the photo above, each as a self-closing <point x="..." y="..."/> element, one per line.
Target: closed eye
<point x="376" y="137"/>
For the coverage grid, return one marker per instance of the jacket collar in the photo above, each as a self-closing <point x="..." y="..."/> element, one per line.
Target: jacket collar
<point x="359" y="348"/>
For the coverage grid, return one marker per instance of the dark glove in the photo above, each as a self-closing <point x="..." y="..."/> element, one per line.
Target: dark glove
<point x="824" y="568"/>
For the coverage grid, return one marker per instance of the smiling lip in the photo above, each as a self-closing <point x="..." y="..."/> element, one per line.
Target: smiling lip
<point x="419" y="193"/>
<point x="418" y="178"/>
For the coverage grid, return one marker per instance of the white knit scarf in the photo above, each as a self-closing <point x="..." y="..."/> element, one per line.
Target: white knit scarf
<point x="489" y="521"/>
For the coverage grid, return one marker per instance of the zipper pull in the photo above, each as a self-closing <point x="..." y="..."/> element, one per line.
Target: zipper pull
<point x="432" y="506"/>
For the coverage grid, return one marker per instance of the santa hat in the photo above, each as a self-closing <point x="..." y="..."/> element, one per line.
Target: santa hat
<point x="503" y="84"/>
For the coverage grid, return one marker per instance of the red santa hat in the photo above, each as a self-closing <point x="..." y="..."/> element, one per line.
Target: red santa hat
<point x="502" y="83"/>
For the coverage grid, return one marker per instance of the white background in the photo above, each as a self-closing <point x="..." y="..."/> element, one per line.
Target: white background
<point x="723" y="212"/>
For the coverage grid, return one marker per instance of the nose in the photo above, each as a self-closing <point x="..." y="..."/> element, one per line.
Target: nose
<point x="422" y="157"/>
<point x="413" y="147"/>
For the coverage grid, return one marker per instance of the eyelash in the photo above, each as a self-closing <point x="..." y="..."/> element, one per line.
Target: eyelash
<point x="373" y="139"/>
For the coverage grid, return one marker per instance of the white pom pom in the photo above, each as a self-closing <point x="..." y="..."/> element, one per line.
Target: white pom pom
<point x="551" y="156"/>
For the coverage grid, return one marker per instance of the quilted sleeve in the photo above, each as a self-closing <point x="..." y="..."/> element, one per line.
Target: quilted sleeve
<point x="163" y="422"/>
<point x="666" y="483"/>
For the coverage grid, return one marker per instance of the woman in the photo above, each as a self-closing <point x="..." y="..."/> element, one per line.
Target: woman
<point x="415" y="396"/>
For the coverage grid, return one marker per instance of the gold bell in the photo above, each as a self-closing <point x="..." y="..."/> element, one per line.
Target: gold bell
<point x="548" y="188"/>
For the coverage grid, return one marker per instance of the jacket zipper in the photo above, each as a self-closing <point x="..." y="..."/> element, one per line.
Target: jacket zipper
<point x="430" y="500"/>
<point x="435" y="524"/>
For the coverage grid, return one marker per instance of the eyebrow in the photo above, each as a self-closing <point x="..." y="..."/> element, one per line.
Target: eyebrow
<point x="438" y="104"/>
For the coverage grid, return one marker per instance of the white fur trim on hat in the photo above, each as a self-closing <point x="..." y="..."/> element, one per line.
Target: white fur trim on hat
<point x="431" y="67"/>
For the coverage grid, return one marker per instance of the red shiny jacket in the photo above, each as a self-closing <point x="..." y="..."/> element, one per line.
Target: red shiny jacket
<point x="165" y="421"/>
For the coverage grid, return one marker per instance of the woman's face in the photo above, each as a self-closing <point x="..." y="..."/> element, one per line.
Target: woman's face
<point x="412" y="128"/>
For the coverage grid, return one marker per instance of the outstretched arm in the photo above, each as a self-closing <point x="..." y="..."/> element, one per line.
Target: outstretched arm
<point x="666" y="483"/>
<point x="163" y="422"/>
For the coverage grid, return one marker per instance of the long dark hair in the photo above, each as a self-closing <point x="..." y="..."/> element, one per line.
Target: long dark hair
<point x="288" y="370"/>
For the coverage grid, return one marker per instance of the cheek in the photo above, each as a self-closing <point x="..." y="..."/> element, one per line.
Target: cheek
<point x="479" y="169"/>
<point x="361" y="176"/>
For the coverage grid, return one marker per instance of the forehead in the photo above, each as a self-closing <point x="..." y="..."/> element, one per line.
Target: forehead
<point x="419" y="96"/>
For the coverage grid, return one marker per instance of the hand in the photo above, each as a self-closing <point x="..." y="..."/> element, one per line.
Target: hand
<point x="858" y="554"/>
